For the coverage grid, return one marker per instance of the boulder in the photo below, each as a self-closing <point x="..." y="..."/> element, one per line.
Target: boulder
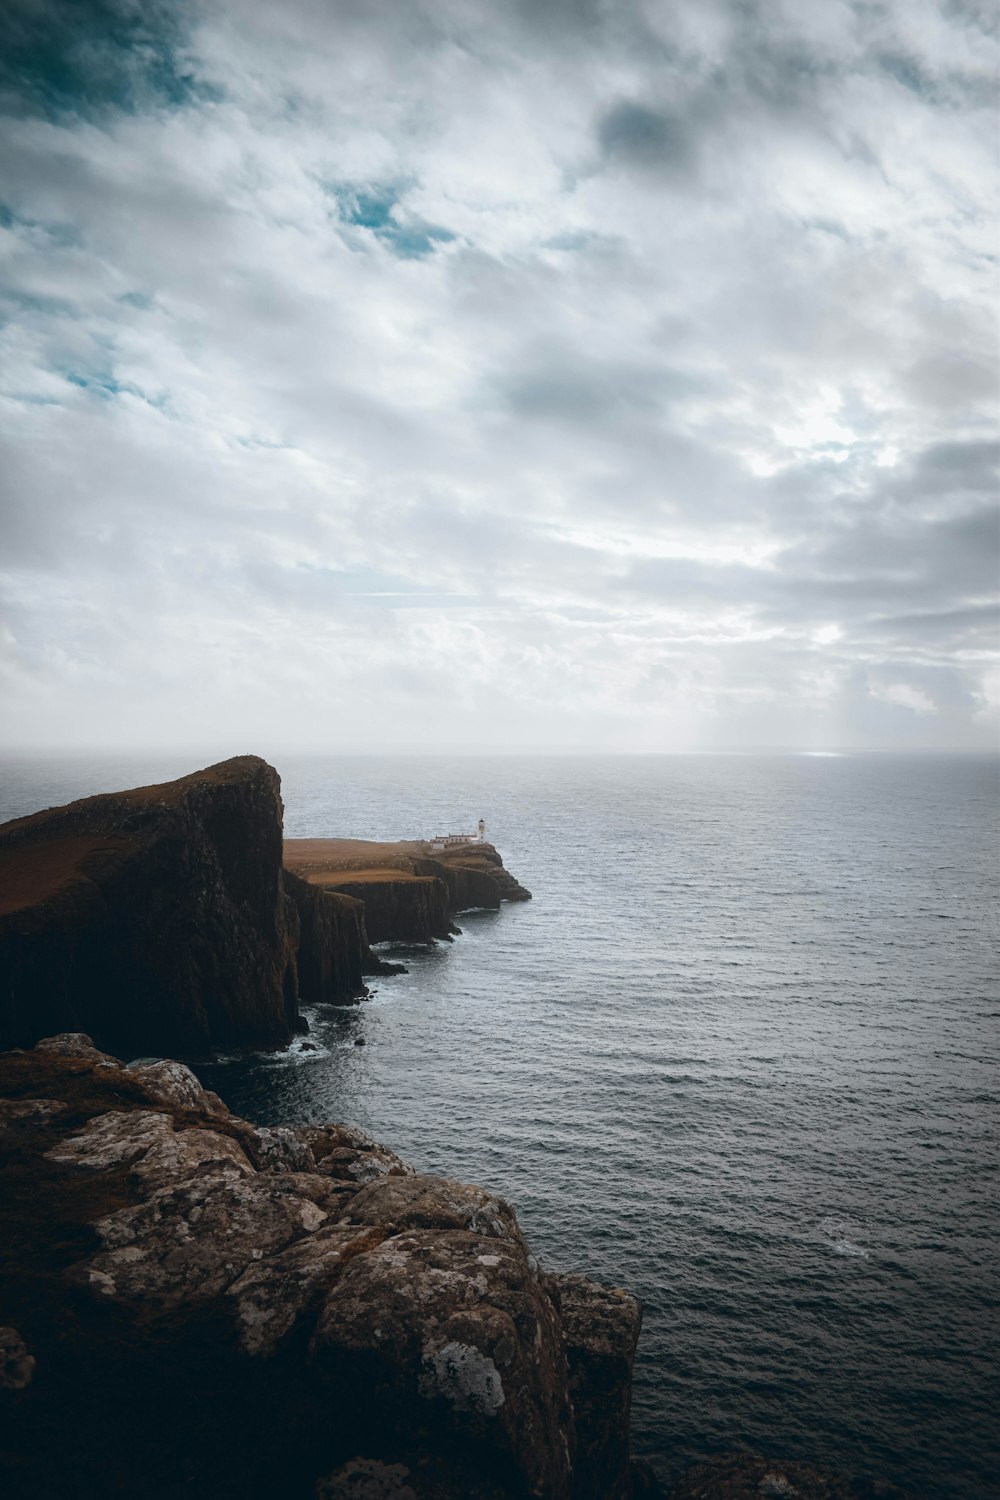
<point x="195" y="1305"/>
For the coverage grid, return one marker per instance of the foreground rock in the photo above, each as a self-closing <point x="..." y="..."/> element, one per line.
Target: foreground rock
<point x="160" y="919"/>
<point x="749" y="1477"/>
<point x="194" y="1306"/>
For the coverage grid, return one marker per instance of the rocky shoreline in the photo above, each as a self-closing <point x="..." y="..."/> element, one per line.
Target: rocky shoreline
<point x="164" y="920"/>
<point x="195" y="1305"/>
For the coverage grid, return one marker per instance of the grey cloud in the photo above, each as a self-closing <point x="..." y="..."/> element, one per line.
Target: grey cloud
<point x="639" y="136"/>
<point x="238" y="403"/>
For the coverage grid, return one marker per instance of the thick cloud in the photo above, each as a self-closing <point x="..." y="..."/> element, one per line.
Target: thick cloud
<point x="556" y="374"/>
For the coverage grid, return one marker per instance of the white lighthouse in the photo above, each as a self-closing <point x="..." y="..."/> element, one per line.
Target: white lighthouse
<point x="482" y="830"/>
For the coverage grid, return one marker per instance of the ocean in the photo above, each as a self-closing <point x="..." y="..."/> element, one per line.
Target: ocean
<point x="739" y="1055"/>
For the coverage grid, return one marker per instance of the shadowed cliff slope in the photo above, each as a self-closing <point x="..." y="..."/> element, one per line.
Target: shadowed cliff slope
<point x="160" y="919"/>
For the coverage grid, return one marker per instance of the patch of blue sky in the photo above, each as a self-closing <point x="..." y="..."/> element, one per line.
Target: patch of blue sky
<point x="67" y="57"/>
<point x="141" y="300"/>
<point x="380" y="210"/>
<point x="58" y="236"/>
<point x="106" y="387"/>
<point x="256" y="440"/>
<point x="15" y="304"/>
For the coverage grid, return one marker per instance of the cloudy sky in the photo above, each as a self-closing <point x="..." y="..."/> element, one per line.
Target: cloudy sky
<point x="497" y="374"/>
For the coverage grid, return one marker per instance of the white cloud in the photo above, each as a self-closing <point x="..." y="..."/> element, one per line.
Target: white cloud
<point x="603" y="366"/>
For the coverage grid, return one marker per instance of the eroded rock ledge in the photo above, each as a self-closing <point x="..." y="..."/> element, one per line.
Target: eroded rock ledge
<point x="195" y="1306"/>
<point x="410" y="891"/>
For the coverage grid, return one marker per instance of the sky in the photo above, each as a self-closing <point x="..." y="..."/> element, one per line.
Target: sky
<point x="498" y="375"/>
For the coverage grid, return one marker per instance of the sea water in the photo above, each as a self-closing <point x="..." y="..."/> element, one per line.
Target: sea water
<point x="739" y="1055"/>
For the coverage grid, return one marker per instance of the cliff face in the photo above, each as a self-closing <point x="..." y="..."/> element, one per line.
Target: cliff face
<point x="160" y="919"/>
<point x="404" y="908"/>
<point x="157" y="917"/>
<point x="332" y="947"/>
<point x="409" y="892"/>
<point x="197" y="1306"/>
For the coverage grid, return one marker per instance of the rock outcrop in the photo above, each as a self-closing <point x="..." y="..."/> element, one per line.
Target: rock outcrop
<point x="410" y="893"/>
<point x="160" y="920"/>
<point x="399" y="907"/>
<point x="196" y="1306"/>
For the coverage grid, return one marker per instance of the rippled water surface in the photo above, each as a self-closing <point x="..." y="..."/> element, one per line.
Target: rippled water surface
<point x="739" y="1055"/>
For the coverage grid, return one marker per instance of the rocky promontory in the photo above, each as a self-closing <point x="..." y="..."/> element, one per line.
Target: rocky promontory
<point x="161" y="919"/>
<point x="195" y="1306"/>
<point x="410" y="889"/>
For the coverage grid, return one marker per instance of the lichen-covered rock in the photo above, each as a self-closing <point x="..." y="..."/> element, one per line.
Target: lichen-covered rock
<point x="169" y="1082"/>
<point x="71" y="1044"/>
<point x="279" y="1148"/>
<point x="349" y="1154"/>
<point x="601" y="1329"/>
<point x="274" y="1291"/>
<point x="28" y="1111"/>
<point x="449" y="1331"/>
<point x="424" y="1202"/>
<point x="148" y="1143"/>
<point x="231" y="1313"/>
<point x="188" y="1243"/>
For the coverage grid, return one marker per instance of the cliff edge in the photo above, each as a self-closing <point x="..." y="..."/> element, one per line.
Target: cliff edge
<point x="160" y="920"/>
<point x="410" y="890"/>
<point x="197" y="1306"/>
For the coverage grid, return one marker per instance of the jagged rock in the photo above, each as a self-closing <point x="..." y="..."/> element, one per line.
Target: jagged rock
<point x="424" y="1202"/>
<point x="350" y="1155"/>
<point x="282" y="1149"/>
<point x="272" y="1293"/>
<point x="601" y="1327"/>
<point x="189" y="1242"/>
<point x="149" y="1145"/>
<point x="213" y="1322"/>
<point x="17" y="1366"/>
<point x="167" y="1082"/>
<point x="446" y="1330"/>
<point x="367" y="1479"/>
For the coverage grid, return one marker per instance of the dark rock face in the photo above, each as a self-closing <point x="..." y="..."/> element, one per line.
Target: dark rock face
<point x="403" y="910"/>
<point x="160" y="919"/>
<point x="600" y="1326"/>
<point x="155" y="918"/>
<point x="333" y="955"/>
<point x="408" y="894"/>
<point x="196" y="1306"/>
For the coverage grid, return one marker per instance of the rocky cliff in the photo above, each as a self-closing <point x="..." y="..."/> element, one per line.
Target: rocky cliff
<point x="159" y="919"/>
<point x="399" y="906"/>
<point x="194" y="1306"/>
<point x="409" y="891"/>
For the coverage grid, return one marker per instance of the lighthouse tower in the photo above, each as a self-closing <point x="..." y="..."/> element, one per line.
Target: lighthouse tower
<point x="482" y="830"/>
